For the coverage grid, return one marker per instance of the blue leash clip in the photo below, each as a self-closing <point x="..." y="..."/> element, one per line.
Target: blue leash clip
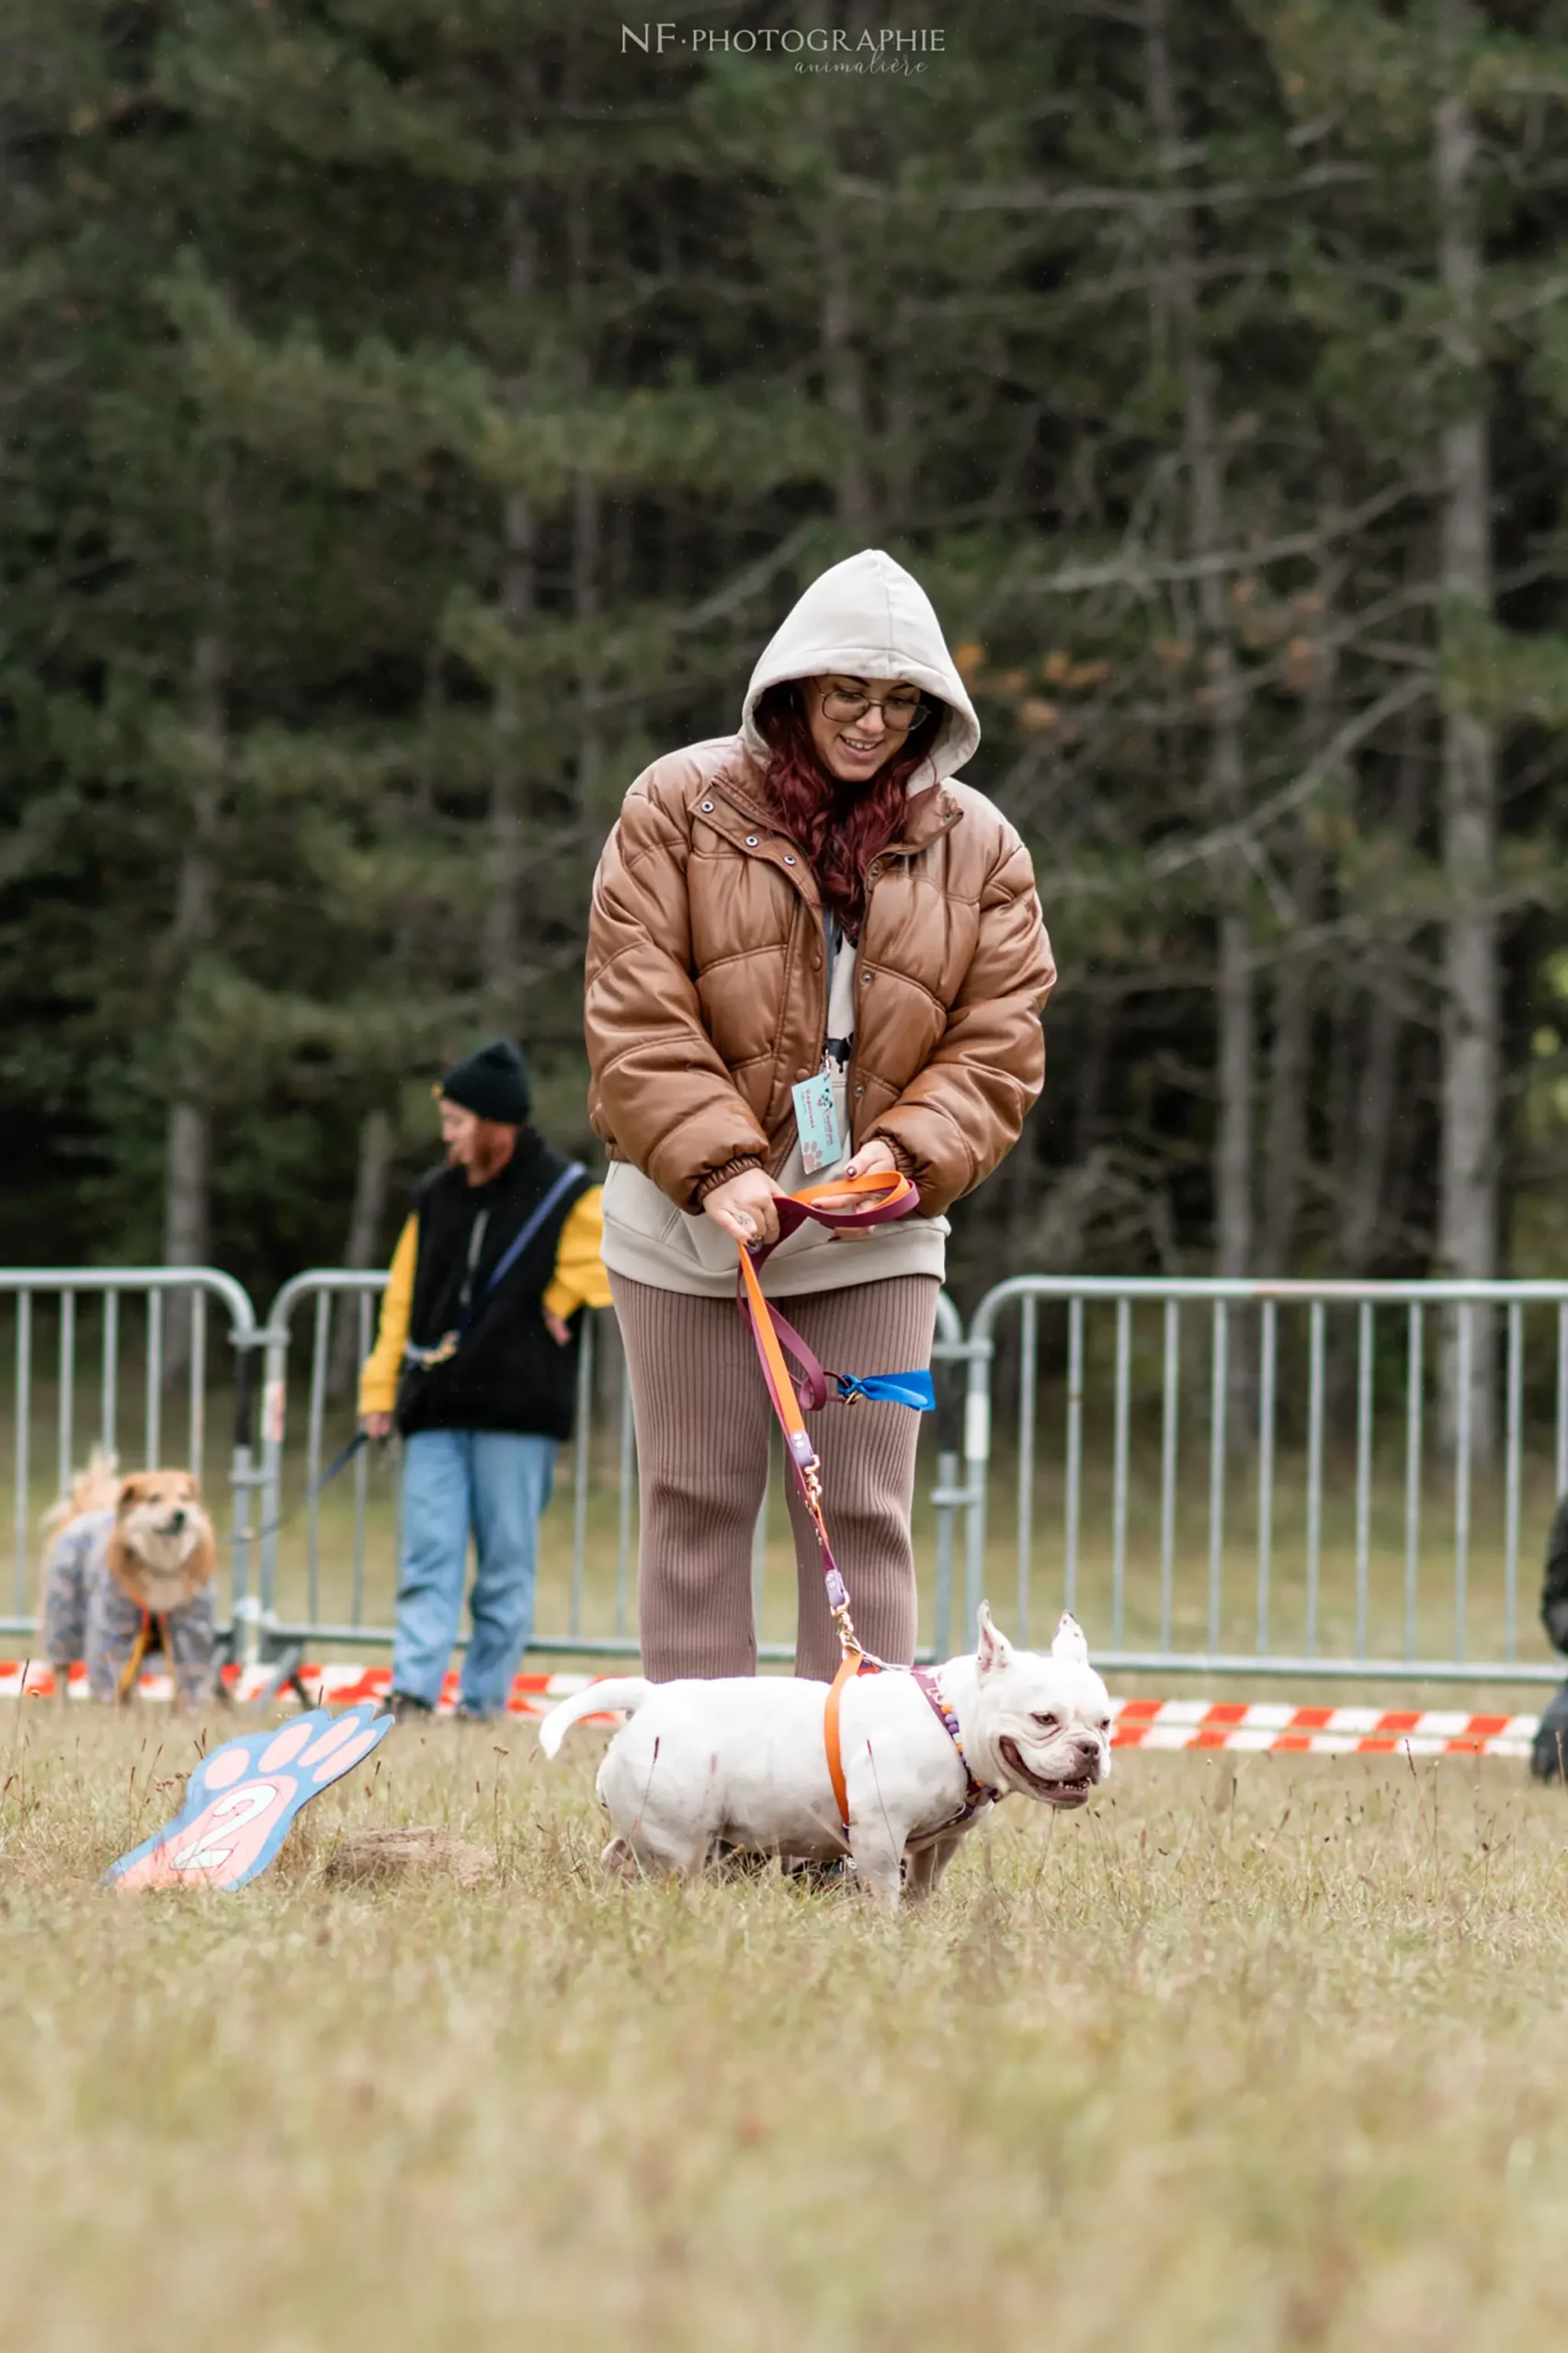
<point x="916" y="1390"/>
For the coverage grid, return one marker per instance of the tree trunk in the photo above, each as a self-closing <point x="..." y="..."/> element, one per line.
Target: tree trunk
<point x="1363" y="1179"/>
<point x="1234" y="1142"/>
<point x="1094" y="1069"/>
<point x="845" y="384"/>
<point x="1296" y="977"/>
<point x="1284" y="1135"/>
<point x="585" y="551"/>
<point x="188" y="1135"/>
<point x="503" y="914"/>
<point x="1362" y="1210"/>
<point x="587" y="520"/>
<point x="839" y="318"/>
<point x="1471" y="1093"/>
<point x="362" y="1246"/>
<point x="1226" y="776"/>
<point x="187" y="1155"/>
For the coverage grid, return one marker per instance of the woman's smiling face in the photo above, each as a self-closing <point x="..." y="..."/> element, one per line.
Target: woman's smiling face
<point x="853" y="749"/>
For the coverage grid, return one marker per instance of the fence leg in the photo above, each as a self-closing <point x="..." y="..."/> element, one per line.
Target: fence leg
<point x="947" y="1494"/>
<point x="244" y="1478"/>
<point x="977" y="1468"/>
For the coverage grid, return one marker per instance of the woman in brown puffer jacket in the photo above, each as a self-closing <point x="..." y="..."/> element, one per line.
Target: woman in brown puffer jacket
<point x="811" y="897"/>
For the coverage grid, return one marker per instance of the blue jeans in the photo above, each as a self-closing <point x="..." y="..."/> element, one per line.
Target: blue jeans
<point x="497" y="1484"/>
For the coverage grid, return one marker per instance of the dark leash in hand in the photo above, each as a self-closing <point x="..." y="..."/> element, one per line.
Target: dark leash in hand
<point x="285" y="1676"/>
<point x="340" y="1462"/>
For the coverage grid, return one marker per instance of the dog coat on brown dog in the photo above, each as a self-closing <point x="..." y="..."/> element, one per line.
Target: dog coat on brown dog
<point x="120" y="1583"/>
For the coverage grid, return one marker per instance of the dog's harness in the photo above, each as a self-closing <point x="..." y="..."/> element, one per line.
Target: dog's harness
<point x="890" y="1196"/>
<point x="977" y="1795"/>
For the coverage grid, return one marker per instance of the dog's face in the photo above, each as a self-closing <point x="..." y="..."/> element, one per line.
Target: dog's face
<point x="160" y="1521"/>
<point x="1045" y="1722"/>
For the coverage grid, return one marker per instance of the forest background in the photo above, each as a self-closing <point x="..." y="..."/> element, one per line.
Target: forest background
<point x="415" y="414"/>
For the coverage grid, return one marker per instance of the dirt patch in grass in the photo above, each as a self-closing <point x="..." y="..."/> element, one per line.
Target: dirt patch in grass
<point x="1255" y="2053"/>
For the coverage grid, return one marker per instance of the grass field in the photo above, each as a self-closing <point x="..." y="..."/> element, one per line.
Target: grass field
<point x="1253" y="2053"/>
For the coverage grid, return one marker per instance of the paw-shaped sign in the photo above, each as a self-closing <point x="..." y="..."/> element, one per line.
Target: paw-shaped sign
<point x="240" y="1801"/>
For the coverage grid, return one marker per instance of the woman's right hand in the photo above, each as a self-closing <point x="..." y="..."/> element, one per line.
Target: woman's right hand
<point x="742" y="1205"/>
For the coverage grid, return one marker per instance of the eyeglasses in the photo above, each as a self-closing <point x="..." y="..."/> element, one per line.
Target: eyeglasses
<point x="900" y="713"/>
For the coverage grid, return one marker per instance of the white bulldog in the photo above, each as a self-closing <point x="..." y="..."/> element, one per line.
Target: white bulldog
<point x="744" y="1761"/>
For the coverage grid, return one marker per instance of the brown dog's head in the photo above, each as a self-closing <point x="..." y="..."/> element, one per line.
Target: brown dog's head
<point x="162" y="1549"/>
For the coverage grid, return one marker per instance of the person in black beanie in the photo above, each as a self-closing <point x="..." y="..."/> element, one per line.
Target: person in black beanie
<point x="1551" y="1743"/>
<point x="474" y="1362"/>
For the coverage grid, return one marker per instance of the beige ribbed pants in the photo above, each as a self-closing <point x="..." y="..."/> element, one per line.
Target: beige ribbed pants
<point x="703" y="1417"/>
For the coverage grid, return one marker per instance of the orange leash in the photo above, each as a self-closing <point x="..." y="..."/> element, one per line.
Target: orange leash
<point x="849" y="1667"/>
<point x="887" y="1196"/>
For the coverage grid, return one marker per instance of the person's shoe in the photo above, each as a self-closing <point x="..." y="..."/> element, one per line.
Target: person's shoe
<point x="814" y="1877"/>
<point x="463" y="1714"/>
<point x="405" y="1709"/>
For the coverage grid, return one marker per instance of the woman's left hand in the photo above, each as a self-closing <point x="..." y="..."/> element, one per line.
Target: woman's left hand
<point x="873" y="1159"/>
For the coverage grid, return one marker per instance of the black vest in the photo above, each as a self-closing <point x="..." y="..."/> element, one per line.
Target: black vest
<point x="508" y="1374"/>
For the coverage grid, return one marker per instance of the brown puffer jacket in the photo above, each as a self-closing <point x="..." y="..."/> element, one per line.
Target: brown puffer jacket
<point x="707" y="991"/>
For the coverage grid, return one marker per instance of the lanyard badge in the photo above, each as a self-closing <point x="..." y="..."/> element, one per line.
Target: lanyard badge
<point x="817" y="1123"/>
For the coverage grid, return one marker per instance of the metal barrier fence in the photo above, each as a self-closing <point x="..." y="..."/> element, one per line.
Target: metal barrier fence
<point x="1346" y="1508"/>
<point x="1246" y="1481"/>
<point x="90" y="1355"/>
<point x="349" y="1543"/>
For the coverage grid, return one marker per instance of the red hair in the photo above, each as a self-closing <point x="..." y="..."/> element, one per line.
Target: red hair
<point x="840" y="826"/>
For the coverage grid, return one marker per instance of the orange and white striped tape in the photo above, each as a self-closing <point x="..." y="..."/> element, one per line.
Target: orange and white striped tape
<point x="1261" y="1727"/>
<point x="337" y="1686"/>
<point x="1269" y="1727"/>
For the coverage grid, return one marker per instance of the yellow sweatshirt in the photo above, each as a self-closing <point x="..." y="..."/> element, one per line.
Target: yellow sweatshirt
<point x="580" y="1281"/>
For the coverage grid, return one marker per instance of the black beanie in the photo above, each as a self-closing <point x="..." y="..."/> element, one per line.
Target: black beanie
<point x="492" y="1084"/>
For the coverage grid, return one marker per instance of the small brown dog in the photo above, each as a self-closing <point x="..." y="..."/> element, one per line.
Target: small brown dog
<point x="160" y="1549"/>
<point x="119" y="1581"/>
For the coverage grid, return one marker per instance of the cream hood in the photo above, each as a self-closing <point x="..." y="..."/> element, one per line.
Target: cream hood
<point x="870" y="619"/>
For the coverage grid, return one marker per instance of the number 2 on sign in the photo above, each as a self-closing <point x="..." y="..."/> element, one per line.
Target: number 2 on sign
<point x="233" y="1812"/>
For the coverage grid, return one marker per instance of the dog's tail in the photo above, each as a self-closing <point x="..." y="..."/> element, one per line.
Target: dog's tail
<point x="622" y="1691"/>
<point x="95" y="1489"/>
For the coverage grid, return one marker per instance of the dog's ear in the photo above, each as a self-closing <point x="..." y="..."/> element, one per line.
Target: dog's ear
<point x="994" y="1649"/>
<point x="133" y="1490"/>
<point x="190" y="1486"/>
<point x="1069" y="1642"/>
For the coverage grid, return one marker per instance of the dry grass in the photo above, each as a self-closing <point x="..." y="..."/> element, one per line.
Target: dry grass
<point x="1255" y="2058"/>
